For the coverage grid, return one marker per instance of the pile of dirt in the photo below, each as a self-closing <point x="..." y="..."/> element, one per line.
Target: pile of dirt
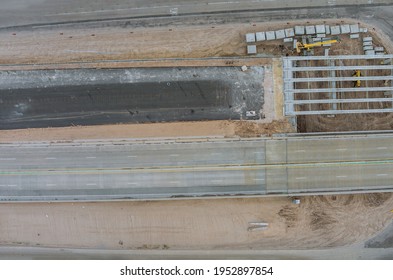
<point x="253" y="129"/>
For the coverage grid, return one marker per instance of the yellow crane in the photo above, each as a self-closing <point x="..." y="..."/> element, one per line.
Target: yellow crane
<point x="357" y="73"/>
<point x="300" y="46"/>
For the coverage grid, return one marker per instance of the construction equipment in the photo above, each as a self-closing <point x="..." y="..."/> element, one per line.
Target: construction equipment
<point x="300" y="46"/>
<point x="357" y="73"/>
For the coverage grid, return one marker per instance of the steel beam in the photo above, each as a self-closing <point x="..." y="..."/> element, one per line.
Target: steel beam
<point x="340" y="79"/>
<point x="339" y="57"/>
<point x="342" y="68"/>
<point x="336" y="112"/>
<point x="362" y="89"/>
<point x="328" y="101"/>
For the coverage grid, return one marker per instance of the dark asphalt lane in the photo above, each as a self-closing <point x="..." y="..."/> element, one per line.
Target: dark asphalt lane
<point x="89" y="97"/>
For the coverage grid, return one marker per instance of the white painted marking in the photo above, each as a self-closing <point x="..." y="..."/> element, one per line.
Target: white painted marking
<point x="12" y="185"/>
<point x="258" y="152"/>
<point x="90" y="157"/>
<point x="382" y="174"/>
<point x="91" y="184"/>
<point x="132" y="156"/>
<point x="50" y="158"/>
<point x="50" y="185"/>
<point x="216" y="181"/>
<point x="8" y="158"/>
<point x="216" y="154"/>
<point x="300" y="151"/>
<point x="343" y="149"/>
<point x="300" y="178"/>
<point x="382" y="148"/>
<point x="259" y="179"/>
<point x="174" y="155"/>
<point x="341" y="176"/>
<point x="132" y="183"/>
<point x="174" y="182"/>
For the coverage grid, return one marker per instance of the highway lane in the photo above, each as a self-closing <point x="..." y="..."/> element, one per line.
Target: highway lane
<point x="125" y="169"/>
<point x="121" y="170"/>
<point x="24" y="12"/>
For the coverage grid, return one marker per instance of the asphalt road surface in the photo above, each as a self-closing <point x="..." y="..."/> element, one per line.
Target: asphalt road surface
<point x="125" y="170"/>
<point x="87" y="97"/>
<point x="25" y="12"/>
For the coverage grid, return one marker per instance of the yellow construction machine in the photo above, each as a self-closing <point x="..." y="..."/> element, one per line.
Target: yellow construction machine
<point x="300" y="46"/>
<point x="357" y="73"/>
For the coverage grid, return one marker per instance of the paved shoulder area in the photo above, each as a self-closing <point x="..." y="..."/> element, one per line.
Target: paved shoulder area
<point x="108" y="96"/>
<point x="127" y="170"/>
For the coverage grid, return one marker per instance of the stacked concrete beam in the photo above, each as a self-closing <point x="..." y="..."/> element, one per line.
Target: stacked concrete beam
<point x="251" y="49"/>
<point x="250" y="37"/>
<point x="320" y="29"/>
<point x="270" y="35"/>
<point x="345" y="29"/>
<point x="354" y="28"/>
<point x="335" y="30"/>
<point x="310" y="30"/>
<point x="280" y="34"/>
<point x="299" y="30"/>
<point x="289" y="32"/>
<point x="261" y="36"/>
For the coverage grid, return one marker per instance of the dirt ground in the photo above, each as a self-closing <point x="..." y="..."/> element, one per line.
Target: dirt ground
<point x="161" y="130"/>
<point x="318" y="222"/>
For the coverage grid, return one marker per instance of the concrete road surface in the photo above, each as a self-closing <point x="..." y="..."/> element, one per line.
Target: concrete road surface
<point x="127" y="170"/>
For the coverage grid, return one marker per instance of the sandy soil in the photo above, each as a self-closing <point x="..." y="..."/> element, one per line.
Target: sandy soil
<point x="84" y="45"/>
<point x="179" y="129"/>
<point x="318" y="222"/>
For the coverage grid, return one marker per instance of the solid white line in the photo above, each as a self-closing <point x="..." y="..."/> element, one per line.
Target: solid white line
<point x="90" y="157"/>
<point x="381" y="148"/>
<point x="300" y="178"/>
<point x="7" y="158"/>
<point x="382" y="174"/>
<point x="341" y="176"/>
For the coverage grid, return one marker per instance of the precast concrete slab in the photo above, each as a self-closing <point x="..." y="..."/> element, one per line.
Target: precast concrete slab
<point x="289" y="32"/>
<point x="280" y="34"/>
<point x="310" y="30"/>
<point x="299" y="30"/>
<point x="335" y="30"/>
<point x="270" y="35"/>
<point x="250" y="37"/>
<point x="354" y="28"/>
<point x="260" y="36"/>
<point x="345" y="29"/>
<point x="320" y="29"/>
